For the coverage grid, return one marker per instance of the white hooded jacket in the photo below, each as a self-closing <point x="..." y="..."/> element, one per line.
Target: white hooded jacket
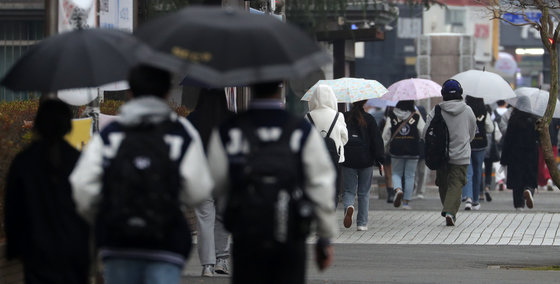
<point x="323" y="108"/>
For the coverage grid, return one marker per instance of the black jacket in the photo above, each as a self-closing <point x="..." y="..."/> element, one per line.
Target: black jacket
<point x="375" y="151"/>
<point x="42" y="225"/>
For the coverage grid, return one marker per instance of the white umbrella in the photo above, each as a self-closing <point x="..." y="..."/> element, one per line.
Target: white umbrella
<point x="483" y="84"/>
<point x="536" y="101"/>
<point x="349" y="90"/>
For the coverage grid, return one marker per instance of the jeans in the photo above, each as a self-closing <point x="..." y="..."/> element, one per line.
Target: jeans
<point x="360" y="180"/>
<point x="420" y="177"/>
<point x="474" y="176"/>
<point x="132" y="271"/>
<point x="404" y="168"/>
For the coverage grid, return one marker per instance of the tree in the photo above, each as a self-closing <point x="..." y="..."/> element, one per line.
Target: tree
<point x="549" y="27"/>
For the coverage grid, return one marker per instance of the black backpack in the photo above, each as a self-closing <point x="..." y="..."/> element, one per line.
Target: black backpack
<point x="140" y="195"/>
<point x="334" y="152"/>
<point x="357" y="152"/>
<point x="436" y="142"/>
<point x="268" y="204"/>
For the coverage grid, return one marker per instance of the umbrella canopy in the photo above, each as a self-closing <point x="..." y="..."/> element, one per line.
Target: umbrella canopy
<point x="230" y="47"/>
<point x="380" y="103"/>
<point x="76" y="59"/>
<point x="536" y="101"/>
<point x="349" y="90"/>
<point x="412" y="89"/>
<point x="483" y="84"/>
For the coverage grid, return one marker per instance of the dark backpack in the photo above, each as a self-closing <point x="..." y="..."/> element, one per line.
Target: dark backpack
<point x="268" y="204"/>
<point x="140" y="195"/>
<point x="334" y="152"/>
<point x="436" y="142"/>
<point x="357" y="152"/>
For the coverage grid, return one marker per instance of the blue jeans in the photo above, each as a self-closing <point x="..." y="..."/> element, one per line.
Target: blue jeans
<point x="132" y="271"/>
<point x="474" y="176"/>
<point x="404" y="168"/>
<point x="360" y="180"/>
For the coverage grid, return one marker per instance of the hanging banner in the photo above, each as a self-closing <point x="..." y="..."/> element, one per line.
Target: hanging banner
<point x="74" y="12"/>
<point x="80" y="134"/>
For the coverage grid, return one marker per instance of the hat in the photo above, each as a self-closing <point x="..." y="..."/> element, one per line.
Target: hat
<point x="451" y="90"/>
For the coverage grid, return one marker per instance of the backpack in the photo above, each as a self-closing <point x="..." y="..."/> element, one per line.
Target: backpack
<point x="140" y="195"/>
<point x="331" y="145"/>
<point x="268" y="203"/>
<point x="436" y="146"/>
<point x="357" y="152"/>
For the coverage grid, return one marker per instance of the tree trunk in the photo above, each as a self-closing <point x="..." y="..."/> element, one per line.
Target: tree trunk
<point x="542" y="124"/>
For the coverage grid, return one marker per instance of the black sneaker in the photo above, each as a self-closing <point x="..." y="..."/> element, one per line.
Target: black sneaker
<point x="488" y="196"/>
<point x="390" y="195"/>
<point x="449" y="219"/>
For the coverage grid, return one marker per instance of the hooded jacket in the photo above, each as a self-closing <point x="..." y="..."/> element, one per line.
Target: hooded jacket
<point x="185" y="146"/>
<point x="323" y="108"/>
<point x="461" y="124"/>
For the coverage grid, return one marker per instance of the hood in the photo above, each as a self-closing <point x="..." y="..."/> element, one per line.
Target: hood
<point x="453" y="107"/>
<point x="144" y="109"/>
<point x="401" y="114"/>
<point x="323" y="97"/>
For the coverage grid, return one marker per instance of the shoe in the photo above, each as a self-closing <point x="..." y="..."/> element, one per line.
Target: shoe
<point x="390" y="195"/>
<point x="418" y="196"/>
<point x="501" y="186"/>
<point x="406" y="207"/>
<point x="549" y="185"/>
<point x="222" y="266"/>
<point x="528" y="198"/>
<point x="464" y="199"/>
<point x="468" y="204"/>
<point x="362" y="228"/>
<point x="519" y="209"/>
<point x="207" y="270"/>
<point x="476" y="206"/>
<point x="398" y="198"/>
<point x="488" y="196"/>
<point x="481" y="197"/>
<point x="449" y="219"/>
<point x="348" y="216"/>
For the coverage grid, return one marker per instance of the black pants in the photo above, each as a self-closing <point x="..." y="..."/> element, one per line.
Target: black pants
<point x="487" y="173"/>
<point x="275" y="264"/>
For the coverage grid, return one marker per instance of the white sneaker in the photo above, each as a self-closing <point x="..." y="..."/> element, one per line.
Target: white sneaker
<point x="418" y="196"/>
<point x="549" y="185"/>
<point x="476" y="206"/>
<point x="406" y="207"/>
<point x="222" y="266"/>
<point x="528" y="198"/>
<point x="208" y="270"/>
<point x="468" y="204"/>
<point x="362" y="228"/>
<point x="398" y="198"/>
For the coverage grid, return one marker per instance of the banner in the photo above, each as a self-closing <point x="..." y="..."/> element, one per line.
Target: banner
<point x="70" y="12"/>
<point x="80" y="134"/>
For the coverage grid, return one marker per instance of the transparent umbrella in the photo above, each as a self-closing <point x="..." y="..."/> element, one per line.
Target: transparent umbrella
<point x="483" y="84"/>
<point x="349" y="90"/>
<point x="536" y="101"/>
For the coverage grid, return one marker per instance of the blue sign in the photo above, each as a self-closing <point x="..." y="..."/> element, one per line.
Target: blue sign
<point x="519" y="19"/>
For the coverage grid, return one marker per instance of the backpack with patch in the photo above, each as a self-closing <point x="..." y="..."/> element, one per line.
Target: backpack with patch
<point x="334" y="152"/>
<point x="436" y="142"/>
<point x="140" y="196"/>
<point x="268" y="203"/>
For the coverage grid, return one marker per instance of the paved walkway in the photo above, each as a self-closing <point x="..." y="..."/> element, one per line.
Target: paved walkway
<point x="472" y="228"/>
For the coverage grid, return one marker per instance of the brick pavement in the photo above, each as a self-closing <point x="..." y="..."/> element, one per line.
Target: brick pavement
<point x="472" y="228"/>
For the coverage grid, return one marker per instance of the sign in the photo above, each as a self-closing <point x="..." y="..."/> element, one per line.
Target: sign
<point x="70" y="15"/>
<point x="519" y="19"/>
<point x="80" y="134"/>
<point x="116" y="14"/>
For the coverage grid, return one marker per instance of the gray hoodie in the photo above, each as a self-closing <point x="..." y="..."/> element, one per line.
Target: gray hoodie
<point x="461" y="124"/>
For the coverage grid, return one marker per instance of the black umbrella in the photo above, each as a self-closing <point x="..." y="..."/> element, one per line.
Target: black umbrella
<point x="76" y="59"/>
<point x="230" y="47"/>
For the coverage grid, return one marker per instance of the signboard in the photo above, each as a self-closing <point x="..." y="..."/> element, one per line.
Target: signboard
<point x="70" y="14"/>
<point x="533" y="16"/>
<point x="116" y="14"/>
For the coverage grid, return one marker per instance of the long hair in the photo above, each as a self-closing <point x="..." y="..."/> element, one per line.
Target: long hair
<point x="477" y="105"/>
<point x="211" y="110"/>
<point x="521" y="119"/>
<point x="356" y="113"/>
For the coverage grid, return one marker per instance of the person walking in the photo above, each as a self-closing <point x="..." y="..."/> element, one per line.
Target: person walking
<point x="473" y="188"/>
<point x="42" y="227"/>
<point x="461" y="125"/>
<point x="491" y="156"/>
<point x="401" y="136"/>
<point x="544" y="179"/>
<point x="520" y="156"/>
<point x="265" y="161"/>
<point x="212" y="239"/>
<point x="420" y="177"/>
<point x="150" y="162"/>
<point x="325" y="117"/>
<point x="363" y="150"/>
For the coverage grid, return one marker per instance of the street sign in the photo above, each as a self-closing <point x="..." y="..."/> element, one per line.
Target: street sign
<point x="519" y="19"/>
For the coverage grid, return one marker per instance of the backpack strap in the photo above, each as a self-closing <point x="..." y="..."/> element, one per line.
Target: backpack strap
<point x="310" y="118"/>
<point x="403" y="123"/>
<point x="332" y="124"/>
